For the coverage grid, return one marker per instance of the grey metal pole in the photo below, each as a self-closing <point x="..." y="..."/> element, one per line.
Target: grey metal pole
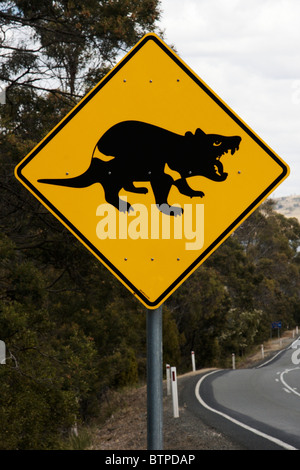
<point x="154" y="380"/>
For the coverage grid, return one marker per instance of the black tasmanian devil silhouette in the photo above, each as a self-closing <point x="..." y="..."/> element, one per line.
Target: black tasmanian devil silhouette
<point x="141" y="151"/>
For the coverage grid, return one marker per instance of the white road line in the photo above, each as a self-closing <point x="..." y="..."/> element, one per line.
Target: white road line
<point x="295" y="343"/>
<point x="290" y="389"/>
<point x="238" y="423"/>
<point x="270" y="360"/>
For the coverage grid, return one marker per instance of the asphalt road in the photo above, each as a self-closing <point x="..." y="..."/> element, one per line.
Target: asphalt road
<point x="258" y="408"/>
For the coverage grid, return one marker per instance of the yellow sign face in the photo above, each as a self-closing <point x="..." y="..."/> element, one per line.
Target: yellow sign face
<point x="151" y="171"/>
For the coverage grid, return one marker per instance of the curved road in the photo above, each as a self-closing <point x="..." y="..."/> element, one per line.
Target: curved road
<point x="258" y="408"/>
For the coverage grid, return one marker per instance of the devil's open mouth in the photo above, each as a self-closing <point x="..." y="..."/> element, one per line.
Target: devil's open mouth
<point x="231" y="149"/>
<point x="218" y="167"/>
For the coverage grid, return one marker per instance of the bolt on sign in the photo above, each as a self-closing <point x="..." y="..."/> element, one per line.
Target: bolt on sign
<point x="151" y="171"/>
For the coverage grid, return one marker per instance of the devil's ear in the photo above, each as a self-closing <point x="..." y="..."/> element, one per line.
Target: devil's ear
<point x="199" y="133"/>
<point x="189" y="134"/>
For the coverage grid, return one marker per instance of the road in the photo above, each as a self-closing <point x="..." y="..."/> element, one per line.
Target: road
<point x="259" y="408"/>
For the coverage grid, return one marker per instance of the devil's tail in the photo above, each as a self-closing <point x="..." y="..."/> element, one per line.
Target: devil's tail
<point x="82" y="181"/>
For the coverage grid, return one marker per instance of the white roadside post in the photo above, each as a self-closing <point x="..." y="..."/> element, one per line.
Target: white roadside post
<point x="233" y="360"/>
<point x="2" y="352"/>
<point x="262" y="351"/>
<point x="174" y="393"/>
<point x="168" y="376"/>
<point x="2" y="95"/>
<point x="193" y="361"/>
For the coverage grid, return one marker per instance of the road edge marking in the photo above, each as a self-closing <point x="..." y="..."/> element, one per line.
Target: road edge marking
<point x="288" y="387"/>
<point x="233" y="420"/>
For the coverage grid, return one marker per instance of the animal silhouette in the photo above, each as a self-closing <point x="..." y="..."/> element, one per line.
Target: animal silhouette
<point x="140" y="153"/>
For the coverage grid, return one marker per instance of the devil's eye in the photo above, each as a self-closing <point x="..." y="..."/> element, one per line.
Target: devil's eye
<point x="217" y="143"/>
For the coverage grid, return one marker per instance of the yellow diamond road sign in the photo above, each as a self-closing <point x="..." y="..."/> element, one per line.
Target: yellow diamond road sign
<point x="151" y="171"/>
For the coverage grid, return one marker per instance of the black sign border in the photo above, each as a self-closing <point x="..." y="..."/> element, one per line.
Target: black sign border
<point x="93" y="249"/>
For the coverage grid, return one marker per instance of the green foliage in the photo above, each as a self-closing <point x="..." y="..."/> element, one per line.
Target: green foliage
<point x="200" y="307"/>
<point x="48" y="366"/>
<point x="172" y="338"/>
<point x="241" y="331"/>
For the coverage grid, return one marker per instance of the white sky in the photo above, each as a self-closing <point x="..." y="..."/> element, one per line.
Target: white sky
<point x="248" y="52"/>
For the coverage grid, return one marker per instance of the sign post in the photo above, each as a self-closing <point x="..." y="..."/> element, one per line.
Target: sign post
<point x="154" y="380"/>
<point x="276" y="325"/>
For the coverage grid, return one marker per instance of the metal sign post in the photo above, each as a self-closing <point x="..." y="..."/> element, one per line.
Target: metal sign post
<point x="154" y="380"/>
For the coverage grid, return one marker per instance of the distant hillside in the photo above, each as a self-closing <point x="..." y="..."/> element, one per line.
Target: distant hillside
<point x="288" y="206"/>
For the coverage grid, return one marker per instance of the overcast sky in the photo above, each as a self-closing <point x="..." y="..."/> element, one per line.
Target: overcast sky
<point x="248" y="52"/>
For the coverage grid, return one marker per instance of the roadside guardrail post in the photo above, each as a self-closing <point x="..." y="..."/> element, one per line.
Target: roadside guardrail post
<point x="174" y="393"/>
<point x="233" y="360"/>
<point x="2" y="95"/>
<point x="193" y="361"/>
<point x="2" y="352"/>
<point x="168" y="376"/>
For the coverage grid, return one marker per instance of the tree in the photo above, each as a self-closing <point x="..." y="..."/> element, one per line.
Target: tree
<point x="49" y="368"/>
<point x="68" y="45"/>
<point x="237" y="272"/>
<point x="241" y="331"/>
<point x="199" y="307"/>
<point x="271" y="242"/>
